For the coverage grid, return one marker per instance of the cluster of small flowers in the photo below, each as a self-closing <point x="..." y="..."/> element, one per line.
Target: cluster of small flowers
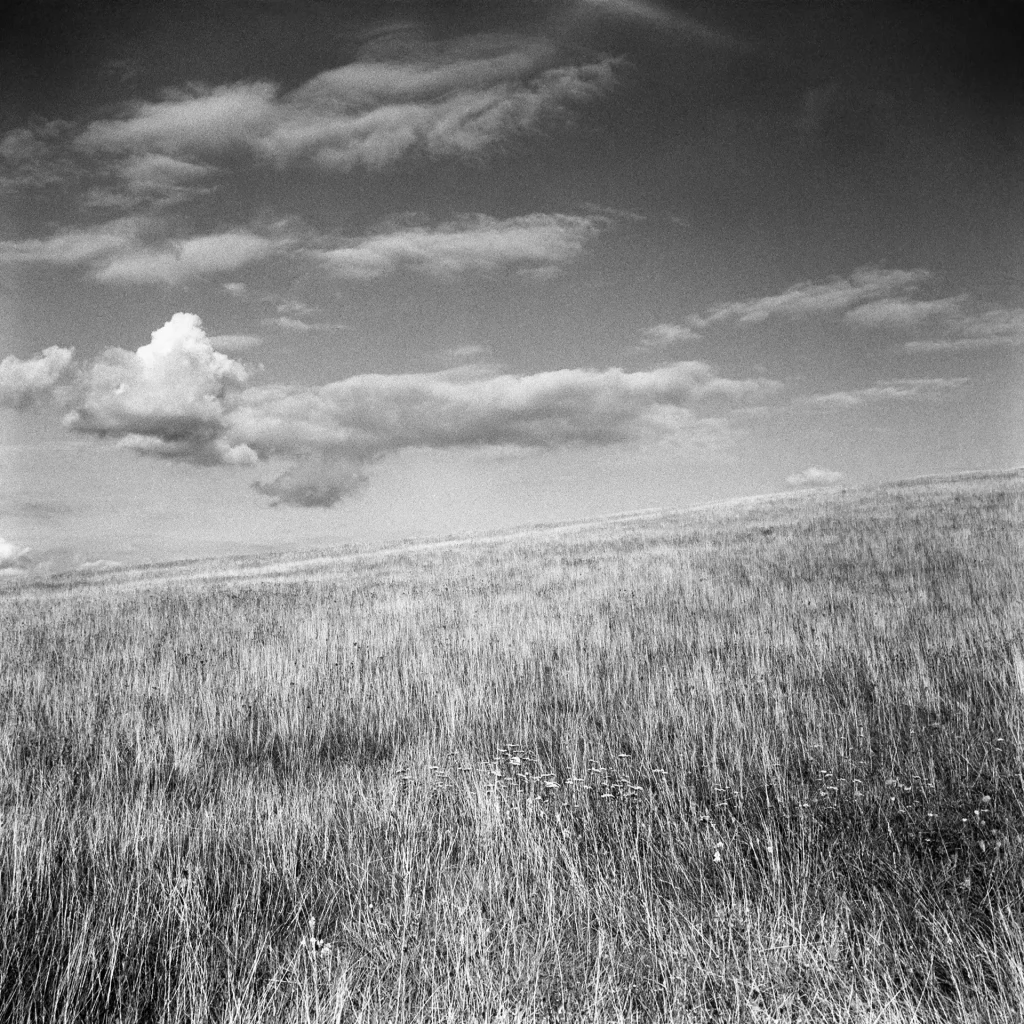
<point x="516" y="767"/>
<point x="981" y="827"/>
<point x="316" y="948"/>
<point x="608" y="783"/>
<point x="830" y="787"/>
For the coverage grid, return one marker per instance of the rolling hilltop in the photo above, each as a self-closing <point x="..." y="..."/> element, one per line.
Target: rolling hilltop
<point x="759" y="762"/>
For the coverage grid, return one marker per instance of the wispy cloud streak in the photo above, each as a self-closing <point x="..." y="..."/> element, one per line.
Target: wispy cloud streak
<point x="454" y="98"/>
<point x="654" y="15"/>
<point x="880" y="301"/>
<point x="974" y="331"/>
<point x="477" y="243"/>
<point x="663" y="335"/>
<point x="899" y="390"/>
<point x="135" y="249"/>
<point x="809" y="299"/>
<point x="903" y="313"/>
<point x="130" y="250"/>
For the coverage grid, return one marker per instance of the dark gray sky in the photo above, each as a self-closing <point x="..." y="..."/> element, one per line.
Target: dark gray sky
<point x="447" y="267"/>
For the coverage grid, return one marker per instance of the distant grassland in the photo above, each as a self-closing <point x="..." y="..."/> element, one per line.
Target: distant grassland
<point x="758" y="763"/>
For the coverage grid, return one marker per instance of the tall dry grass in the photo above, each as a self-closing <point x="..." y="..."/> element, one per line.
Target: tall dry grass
<point x="760" y="763"/>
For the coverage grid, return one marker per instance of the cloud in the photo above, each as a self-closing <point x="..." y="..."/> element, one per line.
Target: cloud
<point x="74" y="246"/>
<point x="617" y="214"/>
<point x="814" y="477"/>
<point x="353" y="423"/>
<point x="293" y="323"/>
<point x="898" y="390"/>
<point x="903" y="313"/>
<point x="646" y="12"/>
<point x="472" y="243"/>
<point x="180" y="260"/>
<point x="33" y="158"/>
<point x="125" y="250"/>
<point x="298" y="316"/>
<point x="663" y="335"/>
<point x="992" y="328"/>
<point x="808" y="299"/>
<point x="199" y="120"/>
<point x="290" y="323"/>
<point x="168" y="398"/>
<point x="131" y="250"/>
<point x="959" y="344"/>
<point x="293" y="307"/>
<point x="876" y="299"/>
<point x="154" y="179"/>
<point x="451" y="98"/>
<point x="319" y="481"/>
<point x="179" y="398"/>
<point x="23" y="381"/>
<point x="12" y="557"/>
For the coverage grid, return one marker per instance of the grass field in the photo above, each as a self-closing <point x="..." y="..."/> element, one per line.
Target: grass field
<point x="756" y="763"/>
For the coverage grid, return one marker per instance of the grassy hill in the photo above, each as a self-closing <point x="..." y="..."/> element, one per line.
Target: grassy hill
<point x="761" y="762"/>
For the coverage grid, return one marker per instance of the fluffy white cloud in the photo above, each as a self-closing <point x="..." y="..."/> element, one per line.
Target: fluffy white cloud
<point x="177" y="397"/>
<point x="814" y="477"/>
<point x="167" y="398"/>
<point x="22" y="381"/>
<point x="470" y="243"/>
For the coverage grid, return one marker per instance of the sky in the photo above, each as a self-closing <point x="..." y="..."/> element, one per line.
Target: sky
<point x="280" y="275"/>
